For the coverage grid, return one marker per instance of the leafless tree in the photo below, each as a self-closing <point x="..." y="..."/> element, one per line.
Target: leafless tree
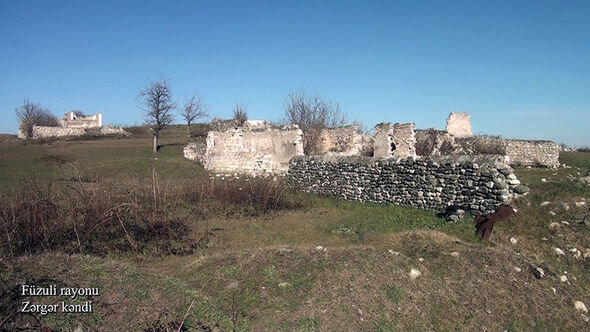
<point x="31" y="114"/>
<point x="156" y="100"/>
<point x="312" y="113"/>
<point x="194" y="108"/>
<point x="240" y="114"/>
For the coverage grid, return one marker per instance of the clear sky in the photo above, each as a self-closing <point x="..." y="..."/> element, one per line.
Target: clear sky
<point x="522" y="69"/>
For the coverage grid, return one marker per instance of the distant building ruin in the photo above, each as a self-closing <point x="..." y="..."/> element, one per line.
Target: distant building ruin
<point x="74" y="123"/>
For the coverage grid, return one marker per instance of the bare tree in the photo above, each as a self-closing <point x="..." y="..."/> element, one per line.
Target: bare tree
<point x="194" y="108"/>
<point x="31" y="114"/>
<point x="312" y="114"/>
<point x="157" y="102"/>
<point x="240" y="114"/>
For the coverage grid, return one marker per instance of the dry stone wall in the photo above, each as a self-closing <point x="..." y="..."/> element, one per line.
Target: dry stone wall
<point x="46" y="132"/>
<point x="423" y="183"/>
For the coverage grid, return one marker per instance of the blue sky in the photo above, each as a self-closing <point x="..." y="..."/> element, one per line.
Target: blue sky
<point x="522" y="69"/>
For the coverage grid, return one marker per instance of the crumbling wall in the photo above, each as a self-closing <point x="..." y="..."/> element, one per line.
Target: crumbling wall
<point x="423" y="183"/>
<point x="253" y="151"/>
<point x="458" y="124"/>
<point x="71" y="120"/>
<point x="395" y="140"/>
<point x="195" y="152"/>
<point x="344" y="141"/>
<point x="520" y="152"/>
<point x="432" y="142"/>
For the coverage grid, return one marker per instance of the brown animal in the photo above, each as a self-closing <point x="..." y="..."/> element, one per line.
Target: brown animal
<point x="485" y="225"/>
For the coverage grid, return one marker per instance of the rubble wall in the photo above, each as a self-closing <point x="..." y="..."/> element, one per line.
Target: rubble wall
<point x="423" y="183"/>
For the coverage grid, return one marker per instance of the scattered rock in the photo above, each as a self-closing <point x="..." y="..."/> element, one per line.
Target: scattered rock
<point x="284" y="284"/>
<point x="455" y="254"/>
<point x="552" y="213"/>
<point x="558" y="251"/>
<point x="585" y="318"/>
<point x="320" y="248"/>
<point x="553" y="226"/>
<point x="543" y="180"/>
<point x="520" y="189"/>
<point x="415" y="274"/>
<point x="553" y="290"/>
<point x="563" y="278"/>
<point x="538" y="272"/>
<point x="395" y="253"/>
<point x="580" y="306"/>
<point x="513" y="240"/>
<point x="517" y="269"/>
<point x="420" y="259"/>
<point x="544" y="203"/>
<point x="580" y="204"/>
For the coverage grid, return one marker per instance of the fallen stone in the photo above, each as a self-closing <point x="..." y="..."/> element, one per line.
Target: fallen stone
<point x="520" y="189"/>
<point x="558" y="251"/>
<point x="553" y="226"/>
<point x="415" y="274"/>
<point x="517" y="269"/>
<point x="538" y="272"/>
<point x="455" y="254"/>
<point x="563" y="278"/>
<point x="395" y="253"/>
<point x="580" y="306"/>
<point x="284" y="284"/>
<point x="544" y="203"/>
<point x="513" y="240"/>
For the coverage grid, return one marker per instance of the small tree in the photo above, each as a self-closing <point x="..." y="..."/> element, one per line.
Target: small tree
<point x="240" y="114"/>
<point x="194" y="108"/>
<point x="312" y="114"/>
<point x="157" y="102"/>
<point x="31" y="114"/>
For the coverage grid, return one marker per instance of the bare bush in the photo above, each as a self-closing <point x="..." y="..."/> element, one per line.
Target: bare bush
<point x="194" y="108"/>
<point x="31" y="114"/>
<point x="157" y="102"/>
<point x="312" y="114"/>
<point x="240" y="114"/>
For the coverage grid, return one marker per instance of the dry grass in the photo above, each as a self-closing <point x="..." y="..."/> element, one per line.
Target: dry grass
<point x="257" y="243"/>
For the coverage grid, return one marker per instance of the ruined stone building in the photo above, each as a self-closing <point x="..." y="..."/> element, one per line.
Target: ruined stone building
<point x="75" y="124"/>
<point x="257" y="148"/>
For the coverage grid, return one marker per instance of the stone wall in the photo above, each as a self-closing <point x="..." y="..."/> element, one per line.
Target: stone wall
<point x="45" y="132"/>
<point x="394" y="140"/>
<point x="422" y="183"/>
<point x="195" y="152"/>
<point x="252" y="151"/>
<point x="524" y="152"/>
<point x="458" y="124"/>
<point x="344" y="141"/>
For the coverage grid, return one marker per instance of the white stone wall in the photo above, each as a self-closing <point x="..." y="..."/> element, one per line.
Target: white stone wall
<point x="458" y="124"/>
<point x="395" y="140"/>
<point x="254" y="152"/>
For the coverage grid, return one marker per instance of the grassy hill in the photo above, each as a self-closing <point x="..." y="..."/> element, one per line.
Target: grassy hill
<point x="168" y="244"/>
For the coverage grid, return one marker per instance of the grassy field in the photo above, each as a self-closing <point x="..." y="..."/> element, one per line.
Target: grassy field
<point x="315" y="264"/>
